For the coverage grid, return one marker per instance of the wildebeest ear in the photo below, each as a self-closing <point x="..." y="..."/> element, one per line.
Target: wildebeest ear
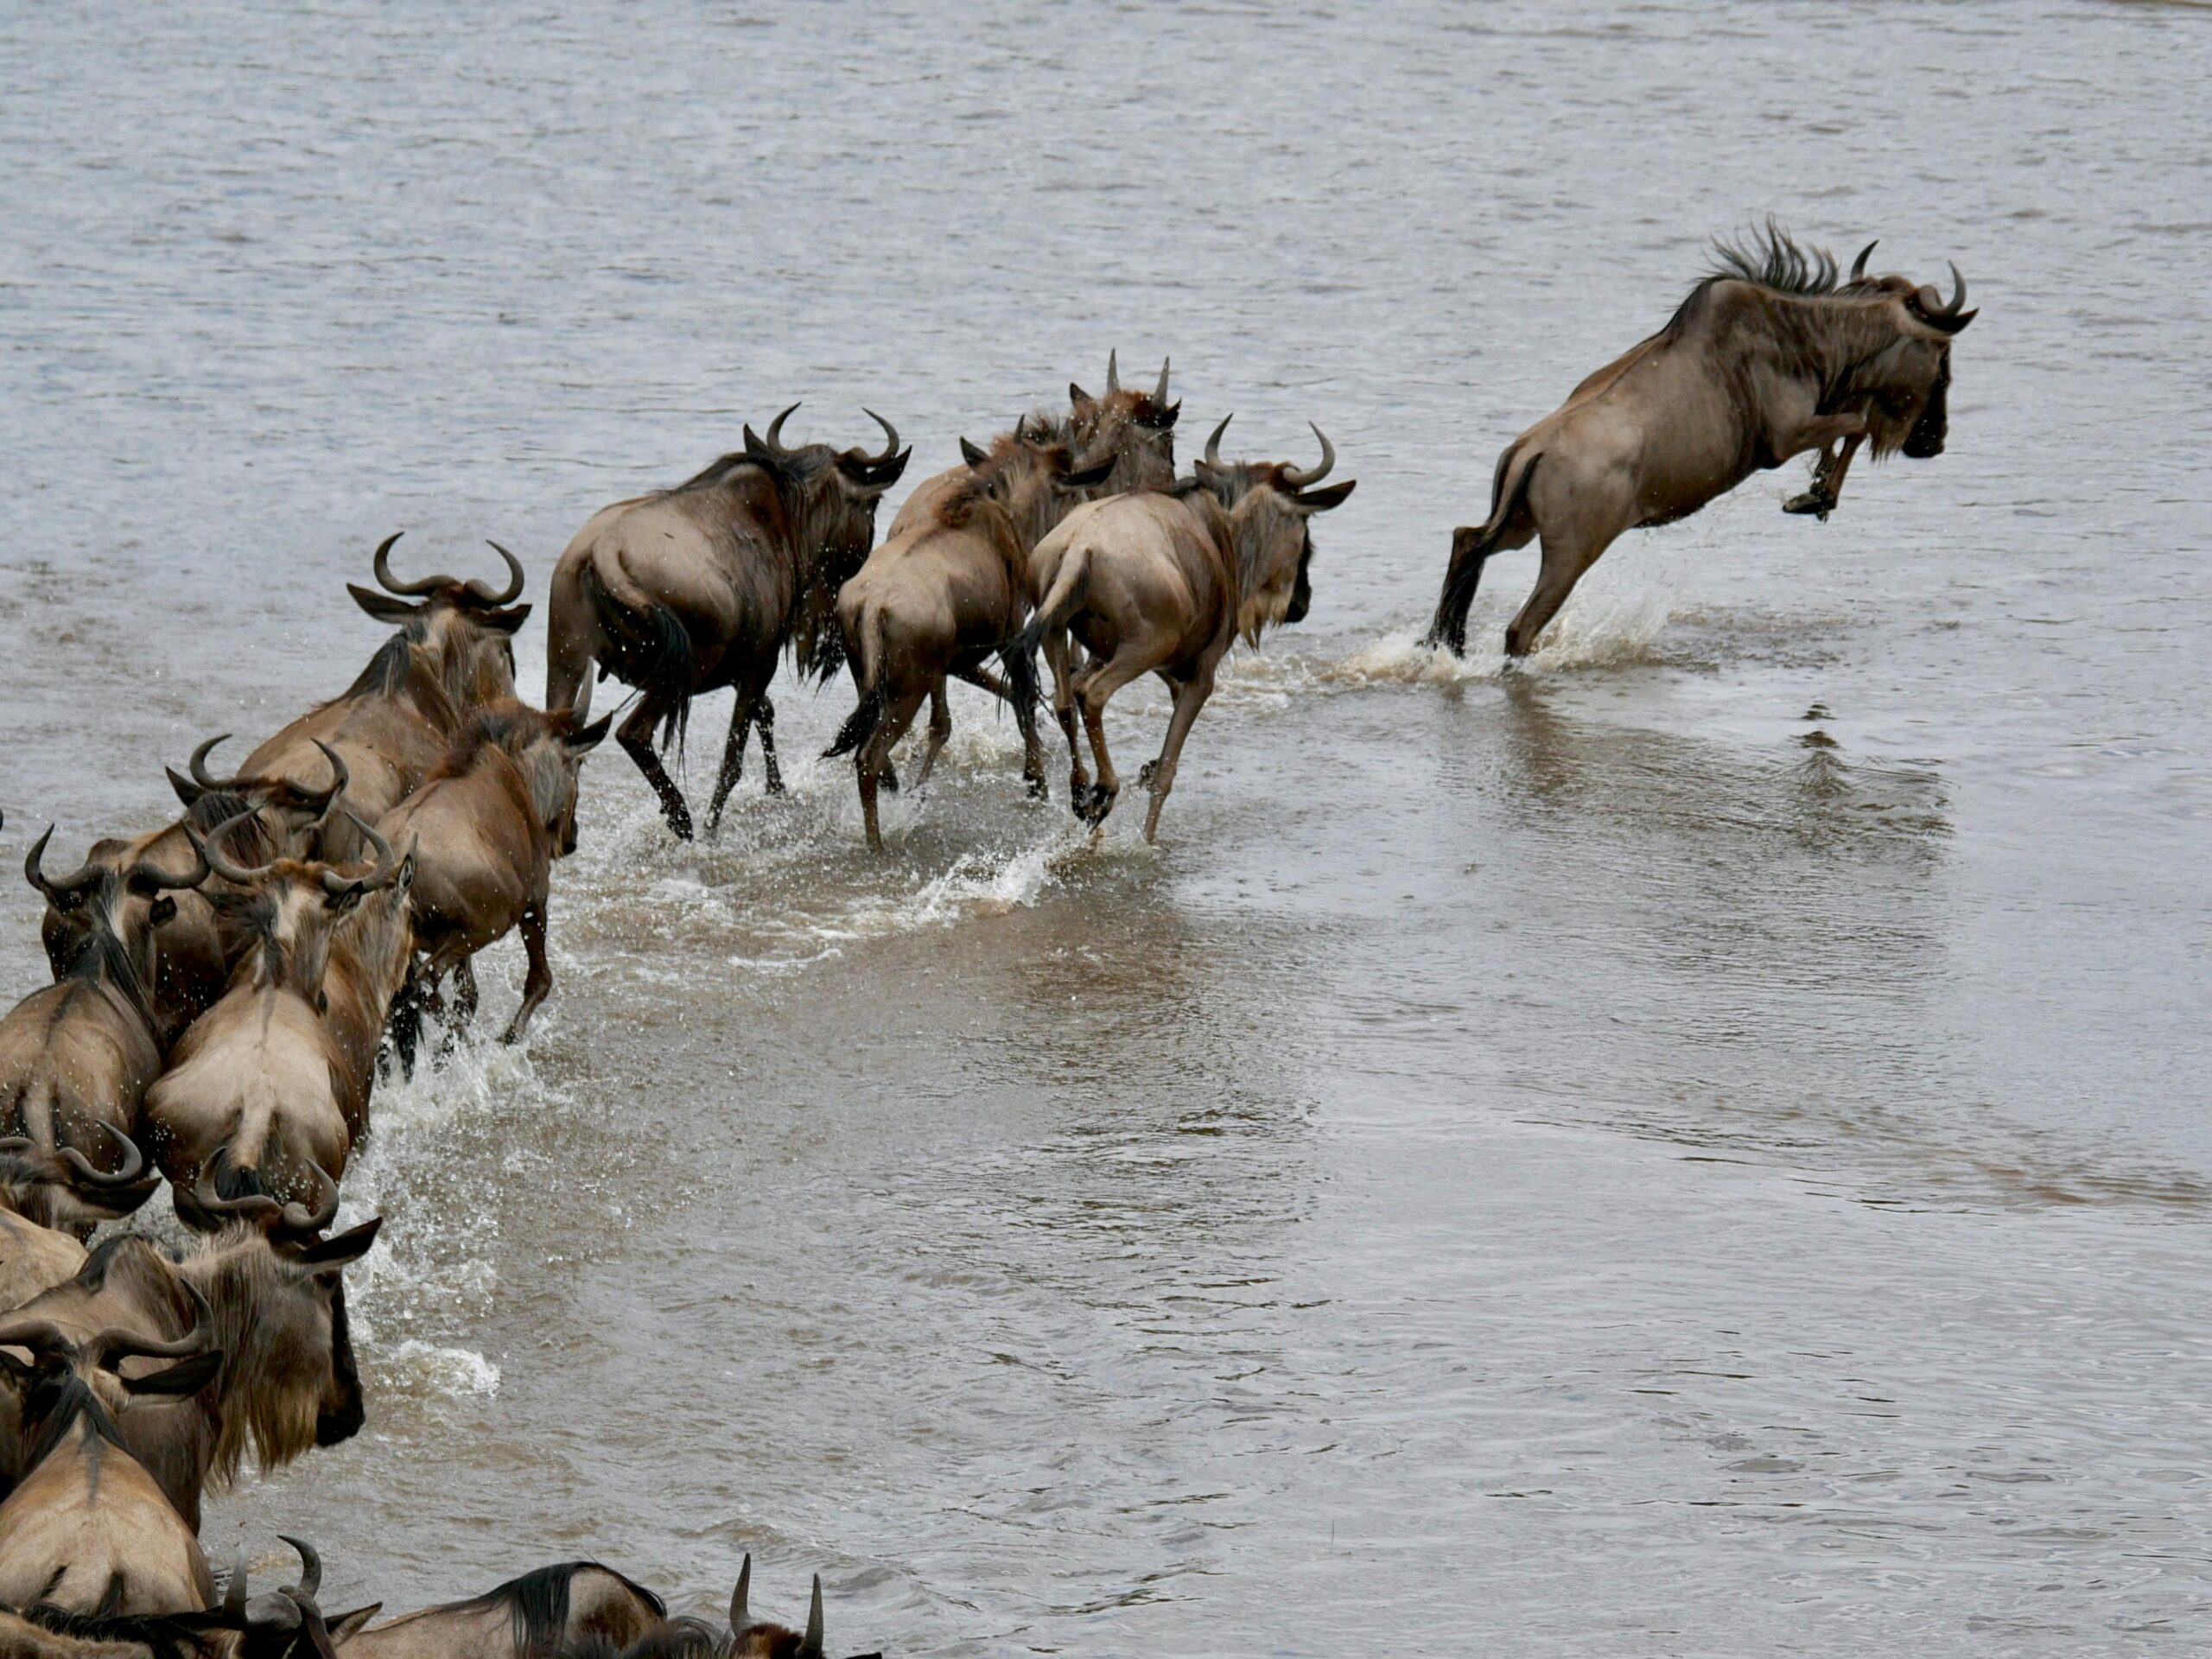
<point x="506" y="621"/>
<point x="382" y="606"/>
<point x="22" y="1375"/>
<point x="347" y="1624"/>
<point x="1087" y="477"/>
<point x="1078" y="397"/>
<point x="186" y="791"/>
<point x="971" y="454"/>
<point x="161" y="912"/>
<point x="185" y="1377"/>
<point x="345" y="1250"/>
<point x="1162" y="421"/>
<point x="591" y="737"/>
<point x="1322" y="500"/>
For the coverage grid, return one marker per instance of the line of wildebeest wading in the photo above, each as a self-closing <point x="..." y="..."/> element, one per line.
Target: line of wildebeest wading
<point x="227" y="989"/>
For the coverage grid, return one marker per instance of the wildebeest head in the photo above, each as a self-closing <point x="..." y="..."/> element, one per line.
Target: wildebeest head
<point x="1137" y="428"/>
<point x="102" y="915"/>
<point x="285" y="910"/>
<point x="465" y="628"/>
<point x="291" y="816"/>
<point x="69" y="1380"/>
<point x="279" y="1308"/>
<point x="744" y="1637"/>
<point x="1907" y="377"/>
<point x="283" y="1623"/>
<point x="549" y="749"/>
<point x="831" y="495"/>
<point x="1269" y="503"/>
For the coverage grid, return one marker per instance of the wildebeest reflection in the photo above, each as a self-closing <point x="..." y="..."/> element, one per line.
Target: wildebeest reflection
<point x="1772" y="355"/>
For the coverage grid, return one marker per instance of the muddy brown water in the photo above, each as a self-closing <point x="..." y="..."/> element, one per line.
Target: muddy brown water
<point x="1698" y="1147"/>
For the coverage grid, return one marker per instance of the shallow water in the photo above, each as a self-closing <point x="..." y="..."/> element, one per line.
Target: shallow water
<point x="1696" y="1148"/>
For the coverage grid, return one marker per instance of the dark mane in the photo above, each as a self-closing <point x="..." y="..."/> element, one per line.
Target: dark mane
<point x="58" y="1399"/>
<point x="387" y="670"/>
<point x="793" y="465"/>
<point x="1771" y="259"/>
<point x="164" y="1636"/>
<point x="91" y="953"/>
<point x="510" y="724"/>
<point x="537" y="1603"/>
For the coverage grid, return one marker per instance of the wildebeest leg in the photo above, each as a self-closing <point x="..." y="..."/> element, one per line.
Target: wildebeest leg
<point x="1828" y="481"/>
<point x="875" y="759"/>
<point x="539" y="979"/>
<point x="464" y="993"/>
<point x="1093" y="688"/>
<point x="1057" y="647"/>
<point x="976" y="675"/>
<point x="940" y="730"/>
<point x="1160" y="776"/>
<point x="764" y="716"/>
<point x="741" y="721"/>
<point x="1565" y="557"/>
<point x="635" y="734"/>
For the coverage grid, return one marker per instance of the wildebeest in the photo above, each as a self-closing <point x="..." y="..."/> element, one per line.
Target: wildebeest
<point x="275" y="1309"/>
<point x="528" y="1618"/>
<point x="745" y="1637"/>
<point x="86" y="1526"/>
<point x="1136" y="428"/>
<point x="189" y="968"/>
<point x="947" y="590"/>
<point x="262" y="1102"/>
<point x="453" y="652"/>
<point x="1770" y="355"/>
<point x="284" y="1625"/>
<point x="1165" y="583"/>
<point x="703" y="586"/>
<point x="485" y="828"/>
<point x="77" y="1058"/>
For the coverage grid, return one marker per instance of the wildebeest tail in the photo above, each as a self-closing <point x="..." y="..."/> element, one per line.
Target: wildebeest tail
<point x="1060" y="602"/>
<point x="1514" y="468"/>
<point x="861" y="724"/>
<point x="648" y="647"/>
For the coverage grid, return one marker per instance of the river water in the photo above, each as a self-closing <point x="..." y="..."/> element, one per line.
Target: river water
<point x="1695" y="1147"/>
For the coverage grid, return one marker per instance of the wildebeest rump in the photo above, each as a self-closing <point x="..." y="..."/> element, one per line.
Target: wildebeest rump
<point x="706" y="585"/>
<point x="528" y="1618"/>
<point x="1770" y="356"/>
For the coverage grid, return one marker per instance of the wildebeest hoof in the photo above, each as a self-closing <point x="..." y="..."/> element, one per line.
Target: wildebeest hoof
<point x="888" y="777"/>
<point x="1817" y="502"/>
<point x="1145" y="772"/>
<point x="1039" y="790"/>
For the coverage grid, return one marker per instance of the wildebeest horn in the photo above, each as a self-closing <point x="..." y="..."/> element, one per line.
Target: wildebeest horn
<point x="198" y="765"/>
<point x="310" y="1568"/>
<point x="234" y="1591"/>
<point x="1113" y="373"/>
<point x="1948" y="316"/>
<point x="341" y="775"/>
<point x="383" y="874"/>
<point x="740" y="1620"/>
<point x="810" y="1645"/>
<point x="86" y="1174"/>
<point x="382" y="565"/>
<point x="242" y="874"/>
<point x="39" y="1336"/>
<point x="1301" y="480"/>
<point x="299" y="1221"/>
<point x="513" y="589"/>
<point x="66" y="893"/>
<point x="971" y="454"/>
<point x="774" y="442"/>
<point x="1159" y="391"/>
<point x="110" y="1348"/>
<point x="1213" y="443"/>
<point x="891" y="435"/>
<point x="1859" y="265"/>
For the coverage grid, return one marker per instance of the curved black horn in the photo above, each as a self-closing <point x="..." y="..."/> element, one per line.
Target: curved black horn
<point x="382" y="565"/>
<point x="1859" y="265"/>
<point x="810" y="1645"/>
<point x="310" y="1568"/>
<point x="1113" y="373"/>
<point x="513" y="591"/>
<point x="1159" y="391"/>
<point x="87" y="1174"/>
<point x="234" y="1591"/>
<point x="1957" y="292"/>
<point x="256" y="1206"/>
<point x="39" y="1336"/>
<point x="382" y="875"/>
<point x="1213" y="443"/>
<point x="110" y="1348"/>
<point x="774" y="441"/>
<point x="242" y="874"/>
<point x="300" y="1221"/>
<point x="971" y="454"/>
<point x="66" y="893"/>
<point x="1304" y="480"/>
<point x="341" y="775"/>
<point x="739" y="1619"/>
<point x="890" y="432"/>
<point x="197" y="766"/>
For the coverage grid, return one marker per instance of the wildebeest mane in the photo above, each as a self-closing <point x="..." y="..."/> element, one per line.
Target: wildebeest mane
<point x="537" y="1604"/>
<point x="511" y="725"/>
<point x="62" y="1398"/>
<point x="1771" y="258"/>
<point x="163" y="1636"/>
<point x="92" y="951"/>
<point x="386" y="671"/>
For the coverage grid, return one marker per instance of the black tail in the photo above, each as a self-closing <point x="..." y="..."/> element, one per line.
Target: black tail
<point x="1472" y="548"/>
<point x="859" y="725"/>
<point x="648" y="648"/>
<point x="1019" y="658"/>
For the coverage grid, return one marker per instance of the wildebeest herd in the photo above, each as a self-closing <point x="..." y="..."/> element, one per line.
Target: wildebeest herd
<point x="228" y="988"/>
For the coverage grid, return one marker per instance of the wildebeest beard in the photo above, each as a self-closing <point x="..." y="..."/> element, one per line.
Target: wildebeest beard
<point x="1926" y="439"/>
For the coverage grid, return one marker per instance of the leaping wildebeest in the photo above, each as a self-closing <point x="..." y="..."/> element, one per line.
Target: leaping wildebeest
<point x="947" y="589"/>
<point x="1774" y="353"/>
<point x="706" y="585"/>
<point x="77" y="1058"/>
<point x="1167" y="584"/>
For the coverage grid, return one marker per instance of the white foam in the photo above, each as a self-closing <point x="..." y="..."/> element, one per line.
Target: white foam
<point x="453" y="1371"/>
